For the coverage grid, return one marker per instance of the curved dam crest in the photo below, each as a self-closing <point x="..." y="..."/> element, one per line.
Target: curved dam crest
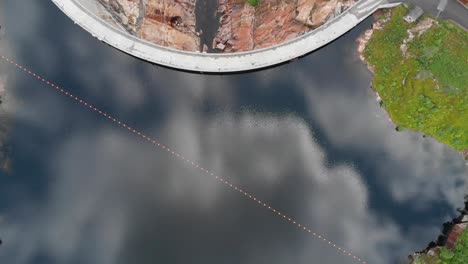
<point x="220" y="62"/>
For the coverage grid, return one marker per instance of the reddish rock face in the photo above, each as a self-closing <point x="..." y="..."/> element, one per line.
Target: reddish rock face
<point x="275" y="22"/>
<point x="454" y="234"/>
<point x="236" y="27"/>
<point x="171" y="23"/>
<point x="244" y="27"/>
<point x="168" y="23"/>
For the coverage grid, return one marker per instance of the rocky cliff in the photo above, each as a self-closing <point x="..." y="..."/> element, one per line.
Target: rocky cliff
<point x="168" y="23"/>
<point x="244" y="27"/>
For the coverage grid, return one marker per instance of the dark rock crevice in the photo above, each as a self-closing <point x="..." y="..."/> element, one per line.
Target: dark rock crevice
<point x="207" y="23"/>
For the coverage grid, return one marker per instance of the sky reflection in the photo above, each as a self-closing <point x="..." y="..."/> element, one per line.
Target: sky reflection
<point x="308" y="137"/>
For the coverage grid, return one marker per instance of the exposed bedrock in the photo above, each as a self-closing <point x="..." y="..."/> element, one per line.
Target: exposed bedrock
<point x="168" y="23"/>
<point x="244" y="27"/>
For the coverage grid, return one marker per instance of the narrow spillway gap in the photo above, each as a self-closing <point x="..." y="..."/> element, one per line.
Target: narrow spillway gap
<point x="207" y="22"/>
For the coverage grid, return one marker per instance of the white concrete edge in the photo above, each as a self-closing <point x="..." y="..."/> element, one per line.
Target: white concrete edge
<point x="219" y="62"/>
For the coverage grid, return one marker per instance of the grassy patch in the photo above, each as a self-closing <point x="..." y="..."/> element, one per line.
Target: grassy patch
<point x="427" y="90"/>
<point x="459" y="255"/>
<point x="426" y="259"/>
<point x="253" y="2"/>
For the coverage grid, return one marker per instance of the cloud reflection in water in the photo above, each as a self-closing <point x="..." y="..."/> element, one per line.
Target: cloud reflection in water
<point x="297" y="136"/>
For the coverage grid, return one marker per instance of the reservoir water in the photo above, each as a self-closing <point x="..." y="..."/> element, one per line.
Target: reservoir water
<point x="308" y="137"/>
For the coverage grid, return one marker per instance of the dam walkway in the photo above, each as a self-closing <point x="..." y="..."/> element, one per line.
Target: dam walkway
<point x="220" y="62"/>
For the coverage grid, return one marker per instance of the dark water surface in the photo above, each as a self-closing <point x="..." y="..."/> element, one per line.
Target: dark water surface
<point x="308" y="137"/>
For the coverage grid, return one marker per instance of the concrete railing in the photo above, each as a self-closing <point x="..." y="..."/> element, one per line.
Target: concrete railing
<point x="219" y="62"/>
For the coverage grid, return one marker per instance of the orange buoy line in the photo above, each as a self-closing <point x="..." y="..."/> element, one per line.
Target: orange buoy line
<point x="184" y="159"/>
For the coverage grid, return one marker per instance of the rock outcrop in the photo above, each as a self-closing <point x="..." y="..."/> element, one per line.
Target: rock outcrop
<point x="423" y="26"/>
<point x="126" y="12"/>
<point x="168" y="23"/>
<point x="315" y="13"/>
<point x="236" y="26"/>
<point x="244" y="27"/>
<point x="276" y="22"/>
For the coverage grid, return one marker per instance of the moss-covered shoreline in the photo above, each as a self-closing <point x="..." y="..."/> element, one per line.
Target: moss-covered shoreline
<point x="421" y="75"/>
<point x="420" y="72"/>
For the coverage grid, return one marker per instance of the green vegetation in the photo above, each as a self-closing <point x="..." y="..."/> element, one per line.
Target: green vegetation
<point x="253" y="2"/>
<point x="459" y="255"/>
<point x="425" y="259"/>
<point x="426" y="90"/>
